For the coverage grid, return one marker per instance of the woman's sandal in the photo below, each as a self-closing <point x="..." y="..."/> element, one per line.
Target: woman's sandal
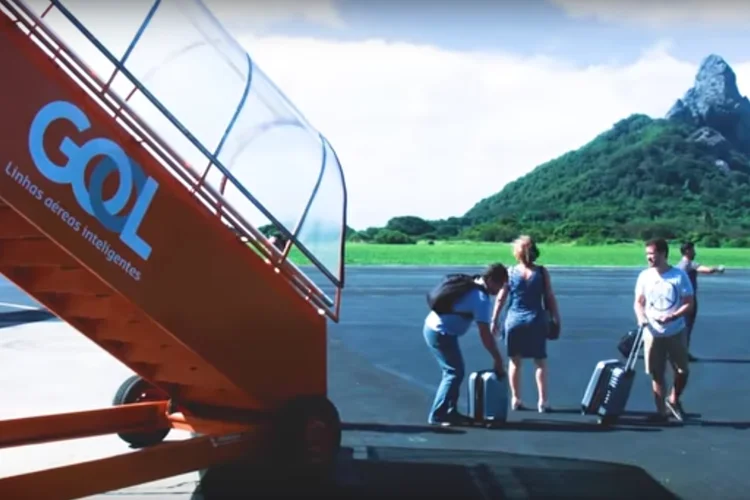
<point x="518" y="406"/>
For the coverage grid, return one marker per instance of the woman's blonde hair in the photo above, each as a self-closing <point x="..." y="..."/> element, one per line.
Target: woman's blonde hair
<point x="522" y="249"/>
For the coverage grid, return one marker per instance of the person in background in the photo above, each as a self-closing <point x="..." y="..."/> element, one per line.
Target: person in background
<point x="692" y="268"/>
<point x="278" y="241"/>
<point x="663" y="300"/>
<point x="529" y="289"/>
<point x="442" y="331"/>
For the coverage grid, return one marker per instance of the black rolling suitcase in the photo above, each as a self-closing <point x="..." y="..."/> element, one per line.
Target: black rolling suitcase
<point x="609" y="388"/>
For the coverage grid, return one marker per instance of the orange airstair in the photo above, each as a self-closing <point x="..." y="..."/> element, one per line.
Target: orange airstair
<point x="129" y="219"/>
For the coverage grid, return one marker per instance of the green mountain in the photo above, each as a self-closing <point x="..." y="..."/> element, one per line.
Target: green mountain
<point x="686" y="175"/>
<point x="642" y="178"/>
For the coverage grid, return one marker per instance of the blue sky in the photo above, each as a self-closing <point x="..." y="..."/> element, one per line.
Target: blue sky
<point x="430" y="106"/>
<point x="526" y="27"/>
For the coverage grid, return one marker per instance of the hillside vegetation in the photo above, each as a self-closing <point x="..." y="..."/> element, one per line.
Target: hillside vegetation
<point x="643" y="178"/>
<point x="681" y="177"/>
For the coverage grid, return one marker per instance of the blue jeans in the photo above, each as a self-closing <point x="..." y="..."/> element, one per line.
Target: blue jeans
<point x="447" y="352"/>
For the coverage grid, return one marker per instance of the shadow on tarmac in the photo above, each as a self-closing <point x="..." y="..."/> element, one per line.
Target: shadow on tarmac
<point x="387" y="472"/>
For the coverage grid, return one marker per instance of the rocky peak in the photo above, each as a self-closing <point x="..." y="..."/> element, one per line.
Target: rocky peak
<point x="715" y="102"/>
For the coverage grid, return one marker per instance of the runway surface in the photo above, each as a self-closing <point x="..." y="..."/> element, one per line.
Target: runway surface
<point x="382" y="378"/>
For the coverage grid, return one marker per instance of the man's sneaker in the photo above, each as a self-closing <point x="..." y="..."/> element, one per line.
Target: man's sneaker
<point x="676" y="409"/>
<point x="440" y="423"/>
<point x="451" y="419"/>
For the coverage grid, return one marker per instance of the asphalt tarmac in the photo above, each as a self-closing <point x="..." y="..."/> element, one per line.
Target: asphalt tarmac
<point x="382" y="378"/>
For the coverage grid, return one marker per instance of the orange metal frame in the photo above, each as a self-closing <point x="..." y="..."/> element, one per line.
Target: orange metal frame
<point x="224" y="439"/>
<point x="229" y="442"/>
<point x="26" y="20"/>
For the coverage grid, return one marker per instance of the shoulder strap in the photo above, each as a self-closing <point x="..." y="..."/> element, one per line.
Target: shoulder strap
<point x="512" y="270"/>
<point x="451" y="288"/>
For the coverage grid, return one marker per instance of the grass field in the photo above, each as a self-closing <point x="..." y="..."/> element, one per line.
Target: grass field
<point x="471" y="253"/>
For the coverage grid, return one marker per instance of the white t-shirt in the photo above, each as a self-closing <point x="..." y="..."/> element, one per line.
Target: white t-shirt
<point x="664" y="294"/>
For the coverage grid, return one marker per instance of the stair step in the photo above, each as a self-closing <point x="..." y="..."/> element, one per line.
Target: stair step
<point x="192" y="379"/>
<point x="159" y="358"/>
<point x="77" y="296"/>
<point x="86" y="306"/>
<point x="136" y="352"/>
<point x="72" y="280"/>
<point x="13" y="226"/>
<point x="153" y="355"/>
<point x="37" y="252"/>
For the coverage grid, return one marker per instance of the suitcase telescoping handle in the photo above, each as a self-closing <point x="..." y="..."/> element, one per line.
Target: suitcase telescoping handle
<point x="633" y="356"/>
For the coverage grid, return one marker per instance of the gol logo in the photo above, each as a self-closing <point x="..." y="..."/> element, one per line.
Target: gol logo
<point x="72" y="172"/>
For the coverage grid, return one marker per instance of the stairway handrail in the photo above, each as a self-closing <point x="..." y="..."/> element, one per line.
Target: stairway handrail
<point x="158" y="148"/>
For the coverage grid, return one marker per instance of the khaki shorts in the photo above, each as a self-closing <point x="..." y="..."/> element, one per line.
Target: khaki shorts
<point x="657" y="351"/>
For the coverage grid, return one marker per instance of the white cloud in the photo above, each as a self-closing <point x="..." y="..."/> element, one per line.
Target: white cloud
<point x="659" y="13"/>
<point x="419" y="130"/>
<point x="429" y="132"/>
<point x="259" y="13"/>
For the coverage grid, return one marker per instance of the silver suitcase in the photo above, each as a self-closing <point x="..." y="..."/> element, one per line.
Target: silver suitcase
<point x="488" y="398"/>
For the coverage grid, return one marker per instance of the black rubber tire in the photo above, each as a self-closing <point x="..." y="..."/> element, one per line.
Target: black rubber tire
<point x="291" y="466"/>
<point x="132" y="391"/>
<point x="308" y="437"/>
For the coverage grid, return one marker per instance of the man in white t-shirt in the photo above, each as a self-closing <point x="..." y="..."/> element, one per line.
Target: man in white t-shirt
<point x="663" y="300"/>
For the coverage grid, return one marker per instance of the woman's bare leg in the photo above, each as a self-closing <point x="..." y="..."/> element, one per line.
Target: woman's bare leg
<point x="541" y="384"/>
<point x="514" y="374"/>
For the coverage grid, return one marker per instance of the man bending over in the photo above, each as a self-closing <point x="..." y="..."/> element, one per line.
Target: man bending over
<point x="451" y="317"/>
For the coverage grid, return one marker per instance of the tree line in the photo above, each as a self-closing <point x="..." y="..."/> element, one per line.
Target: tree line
<point x="643" y="178"/>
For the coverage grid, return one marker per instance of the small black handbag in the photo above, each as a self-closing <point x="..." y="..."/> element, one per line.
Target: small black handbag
<point x="625" y="345"/>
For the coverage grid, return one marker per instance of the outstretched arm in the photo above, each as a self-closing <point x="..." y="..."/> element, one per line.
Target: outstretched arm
<point x="709" y="269"/>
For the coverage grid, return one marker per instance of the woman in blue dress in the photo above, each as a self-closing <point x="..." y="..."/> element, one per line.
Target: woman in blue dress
<point x="527" y="292"/>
